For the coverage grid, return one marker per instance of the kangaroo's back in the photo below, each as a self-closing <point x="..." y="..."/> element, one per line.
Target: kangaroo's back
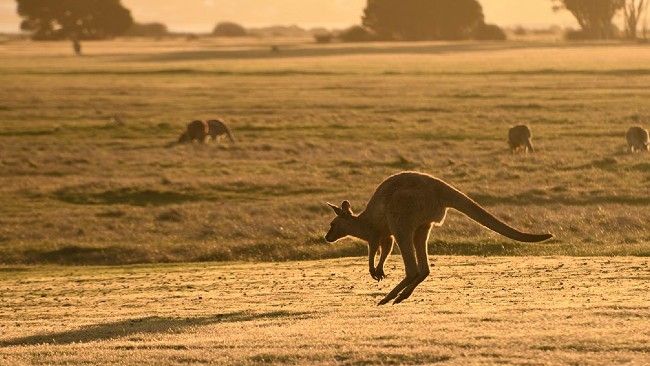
<point x="217" y="128"/>
<point x="520" y="136"/>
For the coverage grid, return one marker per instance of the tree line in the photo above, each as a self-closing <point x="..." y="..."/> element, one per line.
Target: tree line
<point x="409" y="20"/>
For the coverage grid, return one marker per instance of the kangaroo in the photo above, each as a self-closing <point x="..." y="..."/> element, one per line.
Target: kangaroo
<point x="638" y="139"/>
<point x="405" y="206"/>
<point x="217" y="128"/>
<point x="196" y="130"/>
<point x="519" y="136"/>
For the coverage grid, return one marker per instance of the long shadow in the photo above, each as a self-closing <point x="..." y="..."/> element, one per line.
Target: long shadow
<point x="133" y="196"/>
<point x="361" y="49"/>
<point x="146" y="325"/>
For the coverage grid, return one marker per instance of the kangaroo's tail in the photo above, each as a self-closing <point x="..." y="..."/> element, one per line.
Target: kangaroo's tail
<point x="459" y="201"/>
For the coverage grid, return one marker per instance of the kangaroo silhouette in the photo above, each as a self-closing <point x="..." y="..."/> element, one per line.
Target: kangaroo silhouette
<point x="405" y="206"/>
<point x="638" y="139"/>
<point x="519" y="137"/>
<point x="218" y="128"/>
<point x="195" y="131"/>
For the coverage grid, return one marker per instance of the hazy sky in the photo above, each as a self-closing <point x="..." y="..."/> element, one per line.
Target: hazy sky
<point x="201" y="15"/>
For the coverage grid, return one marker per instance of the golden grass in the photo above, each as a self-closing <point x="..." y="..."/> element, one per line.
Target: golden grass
<point x="471" y="311"/>
<point x="314" y="124"/>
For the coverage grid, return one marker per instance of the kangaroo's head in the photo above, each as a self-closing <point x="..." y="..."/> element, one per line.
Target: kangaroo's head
<point x="344" y="224"/>
<point x="185" y="137"/>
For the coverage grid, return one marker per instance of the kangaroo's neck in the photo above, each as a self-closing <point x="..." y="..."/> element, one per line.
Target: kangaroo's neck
<point x="364" y="229"/>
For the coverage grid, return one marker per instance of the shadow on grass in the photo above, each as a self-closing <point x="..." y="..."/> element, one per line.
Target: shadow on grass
<point x="78" y="255"/>
<point x="28" y="133"/>
<point x="642" y="167"/>
<point x="98" y="194"/>
<point x="353" y="49"/>
<point x="130" y="196"/>
<point x="146" y="325"/>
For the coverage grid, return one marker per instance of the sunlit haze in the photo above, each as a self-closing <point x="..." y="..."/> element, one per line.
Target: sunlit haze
<point x="201" y="15"/>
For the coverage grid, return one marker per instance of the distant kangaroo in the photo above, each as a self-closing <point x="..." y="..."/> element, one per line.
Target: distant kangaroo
<point x="405" y="206"/>
<point x="217" y="128"/>
<point x="519" y="136"/>
<point x="638" y="139"/>
<point x="196" y="130"/>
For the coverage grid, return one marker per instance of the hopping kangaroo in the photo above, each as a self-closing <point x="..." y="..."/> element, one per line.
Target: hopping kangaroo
<point x="196" y="130"/>
<point x="405" y="207"/>
<point x="217" y="128"/>
<point x="638" y="139"/>
<point x="519" y="136"/>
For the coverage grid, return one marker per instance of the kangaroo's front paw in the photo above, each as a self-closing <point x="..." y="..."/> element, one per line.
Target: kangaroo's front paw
<point x="379" y="274"/>
<point x="373" y="274"/>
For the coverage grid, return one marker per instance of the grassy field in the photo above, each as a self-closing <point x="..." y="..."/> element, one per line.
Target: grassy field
<point x="472" y="311"/>
<point x="314" y="124"/>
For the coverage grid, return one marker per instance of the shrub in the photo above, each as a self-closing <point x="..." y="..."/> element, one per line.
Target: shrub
<point x="520" y="31"/>
<point x="147" y="30"/>
<point x="577" y="35"/>
<point x="489" y="32"/>
<point x="356" y="33"/>
<point x="582" y="35"/>
<point x="323" y="37"/>
<point x="229" y="29"/>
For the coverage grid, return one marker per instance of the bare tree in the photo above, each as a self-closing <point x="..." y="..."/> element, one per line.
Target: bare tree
<point x="633" y="11"/>
<point x="645" y="21"/>
<point x="594" y="16"/>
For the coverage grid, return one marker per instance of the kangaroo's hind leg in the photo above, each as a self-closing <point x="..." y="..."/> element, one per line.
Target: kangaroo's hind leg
<point x="421" y="254"/>
<point x="405" y="242"/>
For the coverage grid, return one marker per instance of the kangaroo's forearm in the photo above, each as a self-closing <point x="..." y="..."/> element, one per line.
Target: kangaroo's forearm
<point x="372" y="253"/>
<point x="386" y="250"/>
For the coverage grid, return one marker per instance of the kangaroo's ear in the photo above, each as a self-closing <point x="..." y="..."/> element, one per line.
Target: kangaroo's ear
<point x="347" y="209"/>
<point x="336" y="209"/>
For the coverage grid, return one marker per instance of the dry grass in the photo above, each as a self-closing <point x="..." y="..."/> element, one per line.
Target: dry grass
<point x="314" y="124"/>
<point x="471" y="311"/>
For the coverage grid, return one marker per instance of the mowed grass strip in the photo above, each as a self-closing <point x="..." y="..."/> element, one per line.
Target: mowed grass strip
<point x="471" y="310"/>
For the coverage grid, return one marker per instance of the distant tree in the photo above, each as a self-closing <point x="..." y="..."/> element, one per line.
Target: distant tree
<point x="489" y="32"/>
<point x="229" y="29"/>
<point x="356" y="33"/>
<point x="323" y="37"/>
<point x="520" y="31"/>
<point x="147" y="30"/>
<point x="645" y="22"/>
<point x="280" y="31"/>
<point x="594" y="16"/>
<point x="75" y="20"/>
<point x="633" y="11"/>
<point x="423" y="19"/>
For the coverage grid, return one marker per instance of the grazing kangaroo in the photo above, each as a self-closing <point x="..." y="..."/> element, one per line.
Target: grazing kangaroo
<point x="519" y="136"/>
<point x="405" y="206"/>
<point x="217" y="128"/>
<point x="638" y="139"/>
<point x="196" y="130"/>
